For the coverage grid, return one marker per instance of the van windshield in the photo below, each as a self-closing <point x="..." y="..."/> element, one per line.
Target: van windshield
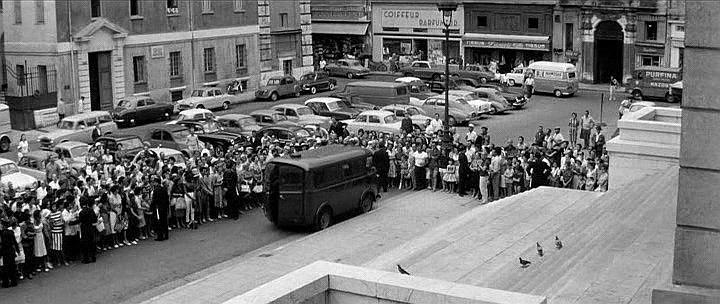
<point x="571" y="75"/>
<point x="66" y="124"/>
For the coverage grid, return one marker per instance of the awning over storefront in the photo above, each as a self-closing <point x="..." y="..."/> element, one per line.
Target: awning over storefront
<point x="514" y="42"/>
<point x="340" y="28"/>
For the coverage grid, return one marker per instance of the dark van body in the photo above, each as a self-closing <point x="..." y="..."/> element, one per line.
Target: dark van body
<point x="314" y="186"/>
<point x="376" y="93"/>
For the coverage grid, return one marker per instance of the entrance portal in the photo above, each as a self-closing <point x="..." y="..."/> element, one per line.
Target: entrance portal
<point x="608" y="52"/>
<point x="100" y="81"/>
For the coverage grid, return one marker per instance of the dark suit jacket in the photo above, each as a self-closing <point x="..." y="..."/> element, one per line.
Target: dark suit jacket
<point x="463" y="165"/>
<point x="8" y="247"/>
<point x="381" y="161"/>
<point x="160" y="200"/>
<point x="87" y="219"/>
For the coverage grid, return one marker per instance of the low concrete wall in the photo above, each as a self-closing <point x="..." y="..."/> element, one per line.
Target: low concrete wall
<point x="649" y="142"/>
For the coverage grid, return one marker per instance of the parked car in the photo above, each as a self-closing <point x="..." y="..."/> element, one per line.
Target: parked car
<point x="277" y="87"/>
<point x="377" y="120"/>
<point x="635" y="106"/>
<point x="4" y="128"/>
<point x="498" y="103"/>
<point x="417" y="88"/>
<point x="417" y="115"/>
<point x="128" y="144"/>
<point x="513" y="96"/>
<point x="514" y="77"/>
<point x="302" y="114"/>
<point x="154" y="154"/>
<point x="169" y="136"/>
<point x="348" y="68"/>
<point x="134" y="109"/>
<point x="33" y="163"/>
<point x="75" y="153"/>
<point x="314" y="81"/>
<point x="193" y="114"/>
<point x="425" y="70"/>
<point x="483" y="105"/>
<point x="265" y="118"/>
<point x="79" y="127"/>
<point x="284" y="133"/>
<point x="205" y="98"/>
<point x="461" y="112"/>
<point x="238" y="123"/>
<point x="332" y="107"/>
<point x="210" y="131"/>
<point x="11" y="174"/>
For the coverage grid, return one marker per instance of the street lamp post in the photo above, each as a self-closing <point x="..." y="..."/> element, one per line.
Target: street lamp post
<point x="447" y="8"/>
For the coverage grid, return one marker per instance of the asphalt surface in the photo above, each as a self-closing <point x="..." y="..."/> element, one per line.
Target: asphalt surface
<point x="121" y="273"/>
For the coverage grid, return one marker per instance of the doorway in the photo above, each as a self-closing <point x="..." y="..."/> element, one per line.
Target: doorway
<point x="100" y="81"/>
<point x="608" y="52"/>
<point x="287" y="67"/>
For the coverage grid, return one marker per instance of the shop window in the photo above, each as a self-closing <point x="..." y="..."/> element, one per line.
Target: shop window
<point x="651" y="30"/>
<point x="569" y="36"/>
<point x="533" y="23"/>
<point x="482" y="21"/>
<point x="650" y="60"/>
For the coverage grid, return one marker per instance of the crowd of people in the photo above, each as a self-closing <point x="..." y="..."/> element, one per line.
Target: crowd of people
<point x="113" y="202"/>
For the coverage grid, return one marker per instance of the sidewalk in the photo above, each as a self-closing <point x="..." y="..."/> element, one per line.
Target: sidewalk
<point x="355" y="241"/>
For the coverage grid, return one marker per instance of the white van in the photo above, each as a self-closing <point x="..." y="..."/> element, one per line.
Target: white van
<point x="558" y="78"/>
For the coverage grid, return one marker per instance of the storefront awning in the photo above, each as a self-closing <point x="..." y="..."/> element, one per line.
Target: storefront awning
<point x="338" y="28"/>
<point x="516" y="42"/>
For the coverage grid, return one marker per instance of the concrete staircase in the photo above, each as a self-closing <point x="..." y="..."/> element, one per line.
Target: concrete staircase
<point x="617" y="246"/>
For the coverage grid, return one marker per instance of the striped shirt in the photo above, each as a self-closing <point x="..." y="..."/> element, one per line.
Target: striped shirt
<point x="56" y="222"/>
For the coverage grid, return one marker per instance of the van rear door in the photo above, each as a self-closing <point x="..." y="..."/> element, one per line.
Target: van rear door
<point x="291" y="195"/>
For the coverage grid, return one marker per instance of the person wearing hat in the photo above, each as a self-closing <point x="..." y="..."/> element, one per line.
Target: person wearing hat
<point x="463" y="170"/>
<point x="9" y="249"/>
<point x="381" y="161"/>
<point x="230" y="184"/>
<point x="160" y="204"/>
<point x="88" y="220"/>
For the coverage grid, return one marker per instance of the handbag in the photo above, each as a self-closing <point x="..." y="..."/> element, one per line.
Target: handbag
<point x="257" y="189"/>
<point x="100" y="226"/>
<point x="244" y="188"/>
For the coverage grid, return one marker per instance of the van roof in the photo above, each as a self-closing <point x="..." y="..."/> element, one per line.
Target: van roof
<point x="322" y="156"/>
<point x="553" y="66"/>
<point x="380" y="84"/>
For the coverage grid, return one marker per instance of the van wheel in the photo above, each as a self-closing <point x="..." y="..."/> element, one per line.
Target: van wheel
<point x="366" y="204"/>
<point x="313" y="90"/>
<point x="557" y="93"/>
<point x="511" y="82"/>
<point x="637" y="94"/>
<point x="332" y="87"/>
<point x="324" y="219"/>
<point x="4" y="144"/>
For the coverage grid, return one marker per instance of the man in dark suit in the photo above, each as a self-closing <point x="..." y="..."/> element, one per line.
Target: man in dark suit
<point x="598" y="141"/>
<point x="230" y="182"/>
<point x="160" y="205"/>
<point x="539" y="172"/>
<point x="381" y="161"/>
<point x="88" y="220"/>
<point x="463" y="170"/>
<point x="406" y="124"/>
<point x="9" y="249"/>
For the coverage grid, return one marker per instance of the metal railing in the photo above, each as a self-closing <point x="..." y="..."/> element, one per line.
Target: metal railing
<point x="23" y="81"/>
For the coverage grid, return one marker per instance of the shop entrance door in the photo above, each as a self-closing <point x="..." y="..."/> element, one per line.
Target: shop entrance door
<point x="608" y="52"/>
<point x="100" y="81"/>
<point x="509" y="61"/>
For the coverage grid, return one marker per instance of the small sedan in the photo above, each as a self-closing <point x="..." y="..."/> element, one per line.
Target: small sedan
<point x="314" y="81"/>
<point x="133" y="109"/>
<point x="265" y="118"/>
<point x="238" y="123"/>
<point x="193" y="115"/>
<point x="377" y="120"/>
<point x="11" y="174"/>
<point x="277" y="87"/>
<point x="461" y="112"/>
<point x="302" y="114"/>
<point x="284" y="134"/>
<point x="205" y="98"/>
<point x="417" y="115"/>
<point x="347" y="67"/>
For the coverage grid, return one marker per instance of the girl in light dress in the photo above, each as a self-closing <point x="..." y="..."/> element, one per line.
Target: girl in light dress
<point x="23" y="147"/>
<point x="405" y="173"/>
<point x="506" y="181"/>
<point x="392" y="170"/>
<point x="39" y="249"/>
<point x="450" y="177"/>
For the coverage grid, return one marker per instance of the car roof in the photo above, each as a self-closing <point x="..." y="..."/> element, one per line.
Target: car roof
<point x="323" y="99"/>
<point x="376" y="112"/>
<point x="644" y="103"/>
<point x="381" y="84"/>
<point x="70" y="144"/>
<point x="233" y="116"/>
<point x="289" y="106"/>
<point x="116" y="136"/>
<point x="322" y="156"/>
<point x="4" y="161"/>
<point x="407" y="79"/>
<point x="87" y="115"/>
<point x="194" y="111"/>
<point x="171" y="128"/>
<point x="263" y="112"/>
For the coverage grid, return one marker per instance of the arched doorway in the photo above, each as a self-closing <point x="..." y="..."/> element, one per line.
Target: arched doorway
<point x="608" y="52"/>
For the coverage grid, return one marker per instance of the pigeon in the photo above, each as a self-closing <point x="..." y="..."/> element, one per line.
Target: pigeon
<point x="524" y="263"/>
<point x="539" y="249"/>
<point x="558" y="243"/>
<point x="401" y="270"/>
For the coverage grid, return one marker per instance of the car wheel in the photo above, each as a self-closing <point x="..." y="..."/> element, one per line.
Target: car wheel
<point x="366" y="204"/>
<point x="226" y="105"/>
<point x="200" y="106"/>
<point x="4" y="144"/>
<point x="637" y="94"/>
<point x="133" y="123"/>
<point x="166" y="115"/>
<point x="511" y="82"/>
<point x="350" y="75"/>
<point x="557" y="93"/>
<point x="324" y="219"/>
<point x="313" y="90"/>
<point x="483" y="80"/>
<point x="493" y="110"/>
<point x="274" y="96"/>
<point x="332" y="87"/>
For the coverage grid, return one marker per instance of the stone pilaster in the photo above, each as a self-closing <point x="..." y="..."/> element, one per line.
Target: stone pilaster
<point x="118" y="73"/>
<point x="588" y="47"/>
<point x="696" y="271"/>
<point x="629" y="46"/>
<point x="264" y="39"/>
<point x="83" y="69"/>
<point x="306" y="27"/>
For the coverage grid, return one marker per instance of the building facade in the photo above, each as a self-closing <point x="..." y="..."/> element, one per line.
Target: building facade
<point x="414" y="29"/>
<point x="613" y="38"/>
<point x="507" y="33"/>
<point x="285" y="39"/>
<point x="105" y="50"/>
<point x="340" y="29"/>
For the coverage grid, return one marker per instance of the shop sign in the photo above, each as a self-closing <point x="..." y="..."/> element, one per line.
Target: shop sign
<point x="508" y="45"/>
<point x="410" y="18"/>
<point x="339" y="13"/>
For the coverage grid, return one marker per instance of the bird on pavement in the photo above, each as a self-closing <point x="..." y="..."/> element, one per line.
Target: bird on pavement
<point x="539" y="249"/>
<point x="401" y="270"/>
<point x="558" y="243"/>
<point x="524" y="263"/>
